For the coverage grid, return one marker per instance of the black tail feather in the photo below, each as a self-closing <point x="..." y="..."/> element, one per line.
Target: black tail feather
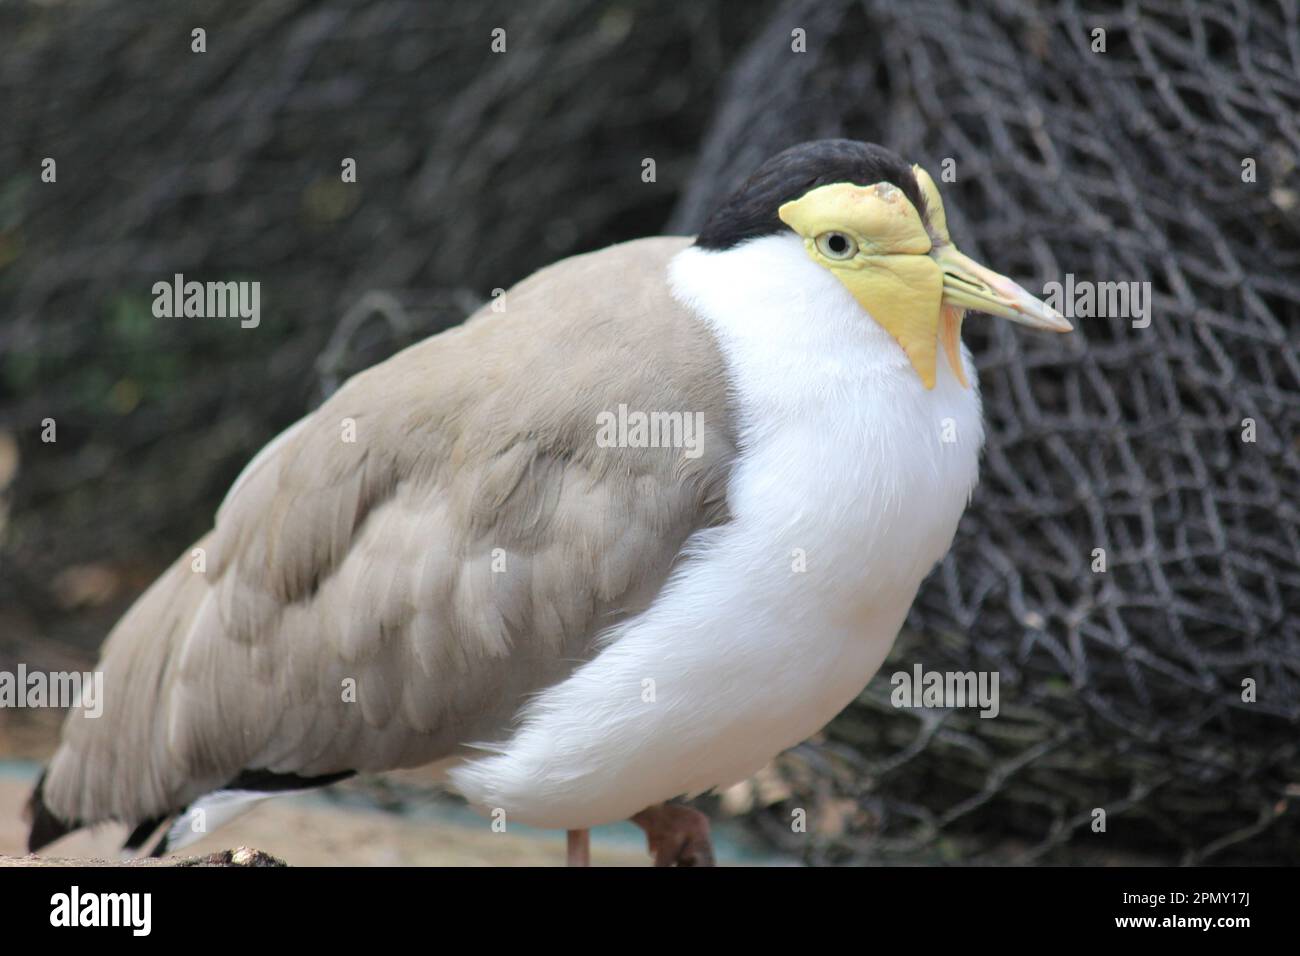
<point x="161" y="846"/>
<point x="46" y="827"/>
<point x="270" y="782"/>
<point x="141" y="834"/>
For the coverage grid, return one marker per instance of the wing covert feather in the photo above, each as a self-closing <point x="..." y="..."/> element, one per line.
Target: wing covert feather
<point x="463" y="552"/>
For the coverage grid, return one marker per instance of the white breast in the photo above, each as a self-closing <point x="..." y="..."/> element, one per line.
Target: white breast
<point x="850" y="483"/>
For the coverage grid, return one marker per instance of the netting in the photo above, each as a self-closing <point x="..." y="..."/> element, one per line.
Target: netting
<point x="473" y="170"/>
<point x="1120" y="690"/>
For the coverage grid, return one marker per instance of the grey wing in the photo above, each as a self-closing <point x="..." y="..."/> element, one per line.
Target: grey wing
<point x="388" y="581"/>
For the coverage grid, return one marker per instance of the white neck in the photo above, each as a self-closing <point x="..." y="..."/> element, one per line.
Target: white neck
<point x="831" y="409"/>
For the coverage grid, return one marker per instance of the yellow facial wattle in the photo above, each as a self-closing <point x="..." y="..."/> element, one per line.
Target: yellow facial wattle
<point x="907" y="277"/>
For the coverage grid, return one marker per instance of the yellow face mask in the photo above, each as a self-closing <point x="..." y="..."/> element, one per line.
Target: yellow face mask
<point x="913" y="282"/>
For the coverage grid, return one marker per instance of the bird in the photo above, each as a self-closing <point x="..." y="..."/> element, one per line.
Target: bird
<point x="647" y="520"/>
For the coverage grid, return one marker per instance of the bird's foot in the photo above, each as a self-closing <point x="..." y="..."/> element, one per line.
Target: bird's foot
<point x="676" y="835"/>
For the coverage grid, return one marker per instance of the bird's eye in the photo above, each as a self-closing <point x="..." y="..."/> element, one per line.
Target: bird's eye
<point x="836" y="245"/>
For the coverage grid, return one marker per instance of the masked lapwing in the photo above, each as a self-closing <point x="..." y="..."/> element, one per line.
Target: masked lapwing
<point x="651" y="518"/>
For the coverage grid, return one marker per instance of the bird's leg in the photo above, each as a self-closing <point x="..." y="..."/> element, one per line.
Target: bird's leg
<point x="579" y="848"/>
<point x="676" y="835"/>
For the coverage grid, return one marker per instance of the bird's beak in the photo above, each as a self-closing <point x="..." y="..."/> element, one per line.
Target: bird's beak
<point x="968" y="285"/>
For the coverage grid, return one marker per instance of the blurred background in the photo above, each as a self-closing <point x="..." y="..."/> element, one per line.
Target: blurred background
<point x="1120" y="689"/>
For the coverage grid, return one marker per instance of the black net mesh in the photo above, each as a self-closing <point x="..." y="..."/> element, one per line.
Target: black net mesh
<point x="473" y="170"/>
<point x="1121" y="690"/>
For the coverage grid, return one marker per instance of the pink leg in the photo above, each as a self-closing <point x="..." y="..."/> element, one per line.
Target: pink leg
<point x="579" y="848"/>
